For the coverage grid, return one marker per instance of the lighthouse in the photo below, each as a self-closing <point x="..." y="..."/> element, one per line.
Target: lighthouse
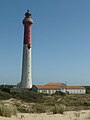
<point x="26" y="78"/>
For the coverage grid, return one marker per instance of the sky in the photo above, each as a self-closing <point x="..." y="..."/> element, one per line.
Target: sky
<point x="60" y="41"/>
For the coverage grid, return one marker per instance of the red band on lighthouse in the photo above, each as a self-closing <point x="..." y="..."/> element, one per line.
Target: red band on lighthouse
<point x="27" y="29"/>
<point x="27" y="32"/>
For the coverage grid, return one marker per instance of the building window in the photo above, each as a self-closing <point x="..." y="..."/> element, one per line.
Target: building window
<point x="44" y="91"/>
<point x="49" y="91"/>
<point x="52" y="91"/>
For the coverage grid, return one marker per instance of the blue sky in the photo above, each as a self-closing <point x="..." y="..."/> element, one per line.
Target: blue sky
<point x="60" y="41"/>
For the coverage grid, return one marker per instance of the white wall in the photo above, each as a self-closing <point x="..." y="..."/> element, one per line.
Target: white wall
<point x="48" y="91"/>
<point x="76" y="91"/>
<point x="70" y="91"/>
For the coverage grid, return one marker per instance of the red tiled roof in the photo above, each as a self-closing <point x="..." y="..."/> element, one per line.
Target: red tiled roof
<point x="74" y="87"/>
<point x="52" y="85"/>
<point x="57" y="85"/>
<point x="48" y="87"/>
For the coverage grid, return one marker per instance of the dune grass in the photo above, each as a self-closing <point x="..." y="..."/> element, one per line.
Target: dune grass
<point x="7" y="110"/>
<point x="59" y="108"/>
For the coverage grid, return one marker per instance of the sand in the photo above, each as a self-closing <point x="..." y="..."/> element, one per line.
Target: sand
<point x="71" y="115"/>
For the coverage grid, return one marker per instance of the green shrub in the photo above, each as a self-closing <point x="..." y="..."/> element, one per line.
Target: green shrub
<point x="4" y="95"/>
<point x="7" y="110"/>
<point x="28" y="96"/>
<point x="59" y="109"/>
<point x="59" y="93"/>
<point x="38" y="109"/>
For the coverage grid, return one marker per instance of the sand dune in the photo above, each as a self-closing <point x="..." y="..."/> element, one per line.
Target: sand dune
<point x="71" y="115"/>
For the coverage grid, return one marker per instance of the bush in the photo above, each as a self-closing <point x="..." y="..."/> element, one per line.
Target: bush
<point x="28" y="96"/>
<point x="38" y="109"/>
<point x="59" y="109"/>
<point x="59" y="93"/>
<point x="4" y="95"/>
<point x="7" y="110"/>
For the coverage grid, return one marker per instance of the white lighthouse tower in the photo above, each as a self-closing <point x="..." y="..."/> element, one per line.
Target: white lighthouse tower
<point x="26" y="78"/>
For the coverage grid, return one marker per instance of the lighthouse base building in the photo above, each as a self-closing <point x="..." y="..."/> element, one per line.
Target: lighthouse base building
<point x="51" y="88"/>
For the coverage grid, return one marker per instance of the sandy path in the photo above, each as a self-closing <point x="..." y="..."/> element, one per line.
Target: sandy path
<point x="71" y="115"/>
